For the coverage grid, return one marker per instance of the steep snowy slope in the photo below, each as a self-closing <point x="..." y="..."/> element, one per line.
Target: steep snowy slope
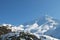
<point x="48" y="24"/>
<point x="45" y="26"/>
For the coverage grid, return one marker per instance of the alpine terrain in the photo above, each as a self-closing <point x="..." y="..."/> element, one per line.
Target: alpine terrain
<point x="43" y="28"/>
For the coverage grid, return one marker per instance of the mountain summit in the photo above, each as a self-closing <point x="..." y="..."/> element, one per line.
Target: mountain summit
<point x="44" y="28"/>
<point x="45" y="25"/>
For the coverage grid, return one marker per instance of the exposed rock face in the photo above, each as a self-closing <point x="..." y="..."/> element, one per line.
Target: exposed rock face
<point x="22" y="36"/>
<point x="4" y="30"/>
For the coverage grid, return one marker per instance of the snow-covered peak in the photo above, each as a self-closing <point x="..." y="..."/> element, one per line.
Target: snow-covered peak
<point x="6" y="24"/>
<point x="16" y="29"/>
<point x="41" y="29"/>
<point x="38" y="28"/>
<point x="31" y="27"/>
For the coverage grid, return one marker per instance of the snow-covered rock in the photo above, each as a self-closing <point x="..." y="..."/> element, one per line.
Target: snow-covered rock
<point x="46" y="28"/>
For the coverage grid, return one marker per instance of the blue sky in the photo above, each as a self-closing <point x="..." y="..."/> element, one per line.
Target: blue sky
<point x="20" y="11"/>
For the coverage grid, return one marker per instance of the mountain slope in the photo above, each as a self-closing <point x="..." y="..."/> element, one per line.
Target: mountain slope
<point x="44" y="28"/>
